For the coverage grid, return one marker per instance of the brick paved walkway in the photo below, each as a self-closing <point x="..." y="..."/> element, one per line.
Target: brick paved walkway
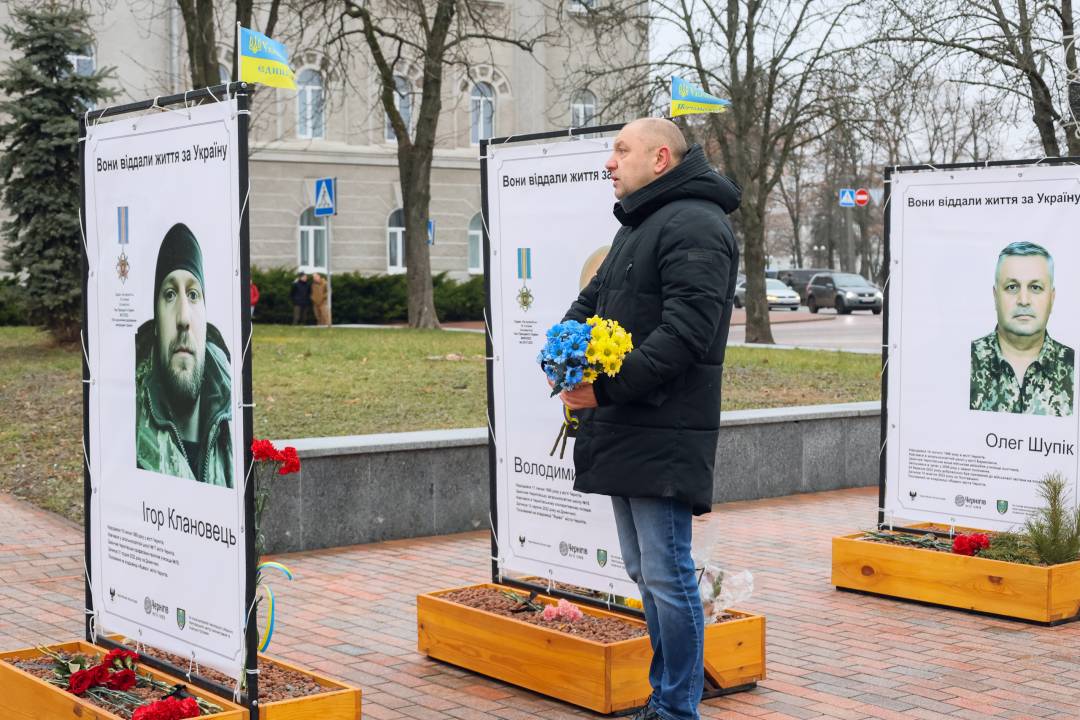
<point x="351" y="613"/>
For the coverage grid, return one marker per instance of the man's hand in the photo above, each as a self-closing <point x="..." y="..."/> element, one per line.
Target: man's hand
<point x="580" y="397"/>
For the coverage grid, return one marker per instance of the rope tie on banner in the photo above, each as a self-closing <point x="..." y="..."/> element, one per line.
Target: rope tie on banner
<point x="551" y="583"/>
<point x="610" y="599"/>
<point x="498" y="547"/>
<point x="487" y="329"/>
<point x="92" y="625"/>
<point x="210" y="92"/>
<point x="887" y="514"/>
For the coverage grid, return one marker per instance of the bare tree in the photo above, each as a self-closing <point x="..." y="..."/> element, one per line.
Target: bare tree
<point x="1021" y="47"/>
<point x="767" y="57"/>
<point x="434" y="36"/>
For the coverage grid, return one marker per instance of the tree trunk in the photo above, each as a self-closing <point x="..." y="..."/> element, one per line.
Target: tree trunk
<point x="416" y="199"/>
<point x="1043" y="116"/>
<point x="198" y="18"/>
<point x="752" y="212"/>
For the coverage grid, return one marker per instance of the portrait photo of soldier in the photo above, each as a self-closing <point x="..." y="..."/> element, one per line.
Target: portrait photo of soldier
<point x="1019" y="368"/>
<point x="183" y="385"/>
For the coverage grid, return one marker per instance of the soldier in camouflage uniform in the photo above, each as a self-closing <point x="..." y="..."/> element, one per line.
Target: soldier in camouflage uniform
<point x="1018" y="367"/>
<point x="183" y="387"/>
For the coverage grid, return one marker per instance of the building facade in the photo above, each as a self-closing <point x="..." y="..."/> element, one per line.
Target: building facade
<point x="334" y="125"/>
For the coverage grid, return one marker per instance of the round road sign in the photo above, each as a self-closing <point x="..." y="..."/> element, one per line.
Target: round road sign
<point x="862" y="197"/>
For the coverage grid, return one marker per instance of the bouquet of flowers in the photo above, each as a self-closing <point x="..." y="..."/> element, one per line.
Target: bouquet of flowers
<point x="577" y="353"/>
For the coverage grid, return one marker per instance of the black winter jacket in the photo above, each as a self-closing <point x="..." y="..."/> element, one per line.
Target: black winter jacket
<point x="669" y="280"/>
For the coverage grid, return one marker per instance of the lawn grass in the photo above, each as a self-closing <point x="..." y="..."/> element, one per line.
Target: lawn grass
<point x="318" y="382"/>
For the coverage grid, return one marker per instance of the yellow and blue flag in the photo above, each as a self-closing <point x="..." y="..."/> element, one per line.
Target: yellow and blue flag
<point x="263" y="60"/>
<point x="689" y="99"/>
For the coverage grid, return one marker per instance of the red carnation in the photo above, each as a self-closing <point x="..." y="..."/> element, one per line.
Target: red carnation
<point x="119" y="658"/>
<point x="970" y="544"/>
<point x="168" y="709"/>
<point x="290" y="461"/>
<point x="265" y="450"/>
<point x="121" y="680"/>
<point x="82" y="680"/>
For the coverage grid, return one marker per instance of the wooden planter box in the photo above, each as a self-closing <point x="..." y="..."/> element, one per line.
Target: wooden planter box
<point x="1028" y="592"/>
<point x="25" y="697"/>
<point x="339" y="702"/>
<point x="604" y="677"/>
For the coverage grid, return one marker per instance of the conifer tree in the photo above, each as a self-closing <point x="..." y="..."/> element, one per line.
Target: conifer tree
<point x="44" y="97"/>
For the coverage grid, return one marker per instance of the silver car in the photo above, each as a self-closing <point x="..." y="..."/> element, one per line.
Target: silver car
<point x="777" y="294"/>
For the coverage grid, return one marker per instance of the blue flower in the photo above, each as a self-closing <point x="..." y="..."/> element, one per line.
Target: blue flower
<point x="574" y="376"/>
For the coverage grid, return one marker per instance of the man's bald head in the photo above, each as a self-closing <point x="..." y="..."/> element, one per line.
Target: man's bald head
<point x="644" y="150"/>
<point x="661" y="132"/>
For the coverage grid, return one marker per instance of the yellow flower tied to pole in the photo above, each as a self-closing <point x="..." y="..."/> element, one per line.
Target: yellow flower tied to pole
<point x="577" y="353"/>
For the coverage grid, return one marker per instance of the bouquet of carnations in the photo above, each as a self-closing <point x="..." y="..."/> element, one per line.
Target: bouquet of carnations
<point x="576" y="353"/>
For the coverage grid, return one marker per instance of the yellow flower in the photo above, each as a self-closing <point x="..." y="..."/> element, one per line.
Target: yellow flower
<point x="633" y="603"/>
<point x="593" y="320"/>
<point x="599" y="332"/>
<point x="589" y="375"/>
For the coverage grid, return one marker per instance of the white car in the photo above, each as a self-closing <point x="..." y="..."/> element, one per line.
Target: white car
<point x="777" y="294"/>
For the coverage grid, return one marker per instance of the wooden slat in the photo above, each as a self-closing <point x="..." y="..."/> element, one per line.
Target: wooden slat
<point x="25" y="697"/>
<point x="973" y="583"/>
<point x="735" y="651"/>
<point x="1064" y="600"/>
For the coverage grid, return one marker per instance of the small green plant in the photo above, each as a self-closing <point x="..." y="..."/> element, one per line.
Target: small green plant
<point x="1014" y="547"/>
<point x="1054" y="530"/>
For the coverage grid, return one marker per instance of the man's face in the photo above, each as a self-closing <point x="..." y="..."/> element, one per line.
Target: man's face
<point x="180" y="315"/>
<point x="632" y="163"/>
<point x="1023" y="294"/>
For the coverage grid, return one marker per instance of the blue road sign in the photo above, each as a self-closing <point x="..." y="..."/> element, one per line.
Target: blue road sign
<point x="325" y="200"/>
<point x="847" y="197"/>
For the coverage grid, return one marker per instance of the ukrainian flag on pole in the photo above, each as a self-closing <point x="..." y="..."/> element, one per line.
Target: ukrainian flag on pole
<point x="688" y="99"/>
<point x="263" y="60"/>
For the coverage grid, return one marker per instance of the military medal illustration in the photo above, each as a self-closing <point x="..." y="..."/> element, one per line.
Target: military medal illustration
<point x="524" y="273"/>
<point x="122" y="265"/>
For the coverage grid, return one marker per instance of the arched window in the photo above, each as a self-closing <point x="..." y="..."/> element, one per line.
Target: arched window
<point x="582" y="108"/>
<point x="82" y="62"/>
<point x="224" y="74"/>
<point x="403" y="102"/>
<point x="312" y="251"/>
<point x="310" y="105"/>
<point x="395" y="242"/>
<point x="476" y="244"/>
<point x="482" y="114"/>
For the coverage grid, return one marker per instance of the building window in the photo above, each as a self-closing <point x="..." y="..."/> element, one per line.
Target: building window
<point x="476" y="244"/>
<point x="310" y="106"/>
<point x="224" y="74"/>
<point x="582" y="108"/>
<point x="83" y="61"/>
<point x="403" y="103"/>
<point x="482" y="112"/>
<point x="312" y="253"/>
<point x="395" y="242"/>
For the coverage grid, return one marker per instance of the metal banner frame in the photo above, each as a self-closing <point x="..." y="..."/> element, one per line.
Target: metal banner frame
<point x="242" y="92"/>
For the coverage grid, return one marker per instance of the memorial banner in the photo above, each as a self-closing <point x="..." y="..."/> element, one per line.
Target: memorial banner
<point x="548" y="212"/>
<point x="167" y="557"/>
<point x="981" y="372"/>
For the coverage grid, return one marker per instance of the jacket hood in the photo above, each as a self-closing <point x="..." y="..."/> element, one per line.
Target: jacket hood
<point x="693" y="178"/>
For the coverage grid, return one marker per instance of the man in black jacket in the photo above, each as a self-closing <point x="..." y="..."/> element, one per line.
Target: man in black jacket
<point x="300" y="294"/>
<point x="650" y="441"/>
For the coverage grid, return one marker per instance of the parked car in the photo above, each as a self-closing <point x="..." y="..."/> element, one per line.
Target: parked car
<point x="797" y="278"/>
<point x="777" y="294"/>
<point x="843" y="291"/>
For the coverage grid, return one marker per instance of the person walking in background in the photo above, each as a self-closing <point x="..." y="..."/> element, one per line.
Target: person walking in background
<point x="254" y="292"/>
<point x="648" y="435"/>
<point x="301" y="299"/>
<point x="320" y="299"/>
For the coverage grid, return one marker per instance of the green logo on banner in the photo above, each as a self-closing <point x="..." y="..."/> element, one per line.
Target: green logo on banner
<point x="601" y="557"/>
<point x="181" y="618"/>
<point x="1003" y="506"/>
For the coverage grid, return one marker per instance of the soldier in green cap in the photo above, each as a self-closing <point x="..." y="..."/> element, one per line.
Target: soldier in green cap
<point x="1019" y="368"/>
<point x="183" y="386"/>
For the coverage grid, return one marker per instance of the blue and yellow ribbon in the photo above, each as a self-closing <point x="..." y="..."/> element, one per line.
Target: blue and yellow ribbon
<point x="271" y="603"/>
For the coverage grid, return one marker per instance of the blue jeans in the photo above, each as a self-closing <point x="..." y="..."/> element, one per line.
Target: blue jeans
<point x="654" y="534"/>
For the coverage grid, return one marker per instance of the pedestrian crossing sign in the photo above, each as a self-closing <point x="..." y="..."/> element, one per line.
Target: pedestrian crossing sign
<point x="847" y="197"/>
<point x="325" y="202"/>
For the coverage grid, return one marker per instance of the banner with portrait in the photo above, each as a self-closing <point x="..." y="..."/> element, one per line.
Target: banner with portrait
<point x="166" y="443"/>
<point x="548" y="208"/>
<point x="981" y="372"/>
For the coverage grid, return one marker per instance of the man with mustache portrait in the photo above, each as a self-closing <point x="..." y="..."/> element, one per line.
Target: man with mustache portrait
<point x="1019" y="368"/>
<point x="183" y="385"/>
